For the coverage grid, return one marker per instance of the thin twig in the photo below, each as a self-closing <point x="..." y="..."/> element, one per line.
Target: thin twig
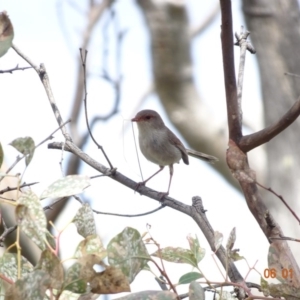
<point x="284" y="238"/>
<point x="242" y="42"/>
<point x="163" y="271"/>
<point x="281" y="198"/>
<point x="130" y="216"/>
<point x="165" y="275"/>
<point x="120" y="215"/>
<point x="50" y="137"/>
<point x="6" y="232"/>
<point x="17" y="68"/>
<point x="83" y="55"/>
<point x="26" y="58"/>
<point x="47" y="207"/>
<point x="42" y="73"/>
<point x="9" y="189"/>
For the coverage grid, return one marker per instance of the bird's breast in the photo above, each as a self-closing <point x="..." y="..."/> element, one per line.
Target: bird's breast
<point x="156" y="147"/>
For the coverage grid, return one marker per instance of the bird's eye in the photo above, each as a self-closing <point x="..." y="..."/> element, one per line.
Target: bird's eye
<point x="148" y="117"/>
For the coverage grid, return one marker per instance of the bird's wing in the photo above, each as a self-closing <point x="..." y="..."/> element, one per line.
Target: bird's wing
<point x="176" y="141"/>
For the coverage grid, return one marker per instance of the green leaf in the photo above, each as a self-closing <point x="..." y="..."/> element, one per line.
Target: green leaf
<point x="218" y="236"/>
<point x="82" y="272"/>
<point x="197" y="251"/>
<point x="50" y="263"/>
<point x="264" y="287"/>
<point x="31" y="217"/>
<point x="84" y="221"/>
<point x="67" y="186"/>
<point x="1" y="155"/>
<point x="33" y="286"/>
<point x="110" y="281"/>
<point x="128" y="252"/>
<point x="234" y="255"/>
<point x="74" y="282"/>
<point x="9" y="269"/>
<point x="9" y="266"/>
<point x="177" y="255"/>
<point x="189" y="277"/>
<point x="196" y="291"/>
<point x="91" y="245"/>
<point x="284" y="290"/>
<point x="231" y="239"/>
<point x="25" y="146"/>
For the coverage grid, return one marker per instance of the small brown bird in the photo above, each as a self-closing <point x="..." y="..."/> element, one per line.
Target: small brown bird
<point x="6" y="33"/>
<point x="161" y="146"/>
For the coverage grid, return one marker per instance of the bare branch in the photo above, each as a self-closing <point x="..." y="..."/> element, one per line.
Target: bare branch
<point x="17" y="68"/>
<point x="45" y="80"/>
<point x="282" y="199"/>
<point x="251" y="141"/>
<point x="233" y="110"/>
<point x="241" y="41"/>
<point x="9" y="189"/>
<point x="83" y="56"/>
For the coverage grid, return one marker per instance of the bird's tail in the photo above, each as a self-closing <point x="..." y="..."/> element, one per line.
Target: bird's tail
<point x="209" y="158"/>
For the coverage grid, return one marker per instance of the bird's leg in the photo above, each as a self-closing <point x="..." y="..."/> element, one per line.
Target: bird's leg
<point x="145" y="181"/>
<point x="162" y="195"/>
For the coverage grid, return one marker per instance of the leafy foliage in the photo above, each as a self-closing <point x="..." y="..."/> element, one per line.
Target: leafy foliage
<point x="67" y="186"/>
<point x="25" y="146"/>
<point x="127" y="255"/>
<point x="128" y="252"/>
<point x="31" y="218"/>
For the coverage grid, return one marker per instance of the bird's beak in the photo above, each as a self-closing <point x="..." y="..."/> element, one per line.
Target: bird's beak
<point x="134" y="119"/>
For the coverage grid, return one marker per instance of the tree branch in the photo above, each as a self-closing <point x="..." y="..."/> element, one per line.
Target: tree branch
<point x="251" y="141"/>
<point x="143" y="190"/>
<point x="237" y="160"/>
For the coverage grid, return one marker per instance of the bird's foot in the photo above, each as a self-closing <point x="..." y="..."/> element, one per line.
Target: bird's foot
<point x="139" y="184"/>
<point x="162" y="196"/>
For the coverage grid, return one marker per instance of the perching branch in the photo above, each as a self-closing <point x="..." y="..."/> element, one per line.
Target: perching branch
<point x="146" y="191"/>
